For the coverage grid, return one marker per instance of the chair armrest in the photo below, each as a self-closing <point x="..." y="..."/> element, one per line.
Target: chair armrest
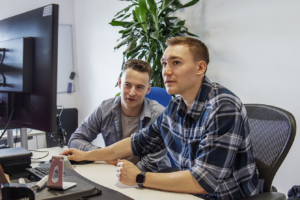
<point x="267" y="196"/>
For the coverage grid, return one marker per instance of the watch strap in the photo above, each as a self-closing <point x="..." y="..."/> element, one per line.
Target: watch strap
<point x="141" y="184"/>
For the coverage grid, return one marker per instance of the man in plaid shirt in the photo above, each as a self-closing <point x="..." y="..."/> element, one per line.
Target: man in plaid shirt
<point x="205" y="130"/>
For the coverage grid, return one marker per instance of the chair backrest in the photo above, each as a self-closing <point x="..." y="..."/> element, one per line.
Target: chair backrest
<point x="160" y="95"/>
<point x="272" y="132"/>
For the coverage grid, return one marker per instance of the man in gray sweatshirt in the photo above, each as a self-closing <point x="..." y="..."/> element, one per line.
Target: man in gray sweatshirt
<point x="119" y="117"/>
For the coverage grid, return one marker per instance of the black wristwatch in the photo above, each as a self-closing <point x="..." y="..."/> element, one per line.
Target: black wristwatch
<point x="140" y="179"/>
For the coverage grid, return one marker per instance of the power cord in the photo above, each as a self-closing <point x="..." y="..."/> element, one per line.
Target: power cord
<point x="11" y="114"/>
<point x="39" y="157"/>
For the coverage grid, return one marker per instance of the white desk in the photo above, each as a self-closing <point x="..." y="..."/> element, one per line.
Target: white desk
<point x="105" y="174"/>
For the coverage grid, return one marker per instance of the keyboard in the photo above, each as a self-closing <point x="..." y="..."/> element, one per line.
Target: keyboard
<point x="39" y="172"/>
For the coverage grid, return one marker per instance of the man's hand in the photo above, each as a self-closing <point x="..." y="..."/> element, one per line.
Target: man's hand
<point x="75" y="154"/>
<point x="127" y="172"/>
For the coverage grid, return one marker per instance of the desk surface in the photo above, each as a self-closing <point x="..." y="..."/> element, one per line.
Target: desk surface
<point x="105" y="174"/>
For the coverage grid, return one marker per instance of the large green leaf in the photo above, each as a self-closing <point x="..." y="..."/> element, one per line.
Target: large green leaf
<point x="120" y="23"/>
<point x="193" y="2"/>
<point x="143" y="13"/>
<point x="121" y="44"/>
<point x="150" y="55"/>
<point x="125" y="9"/>
<point x="131" y="45"/>
<point x="191" y="34"/>
<point x="134" y="55"/>
<point x="119" y="16"/>
<point x="137" y="14"/>
<point x="152" y="7"/>
<point x="133" y="26"/>
<point x="143" y="9"/>
<point x="125" y="17"/>
<point x="142" y="55"/>
<point x="161" y="43"/>
<point x="134" y="50"/>
<point x="181" y="22"/>
<point x="155" y="35"/>
<point x="165" y="5"/>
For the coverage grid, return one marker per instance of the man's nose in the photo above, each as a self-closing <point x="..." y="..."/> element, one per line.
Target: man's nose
<point x="167" y="71"/>
<point x="132" y="91"/>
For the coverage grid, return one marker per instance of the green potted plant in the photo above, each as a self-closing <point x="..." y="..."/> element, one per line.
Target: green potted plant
<point x="150" y="26"/>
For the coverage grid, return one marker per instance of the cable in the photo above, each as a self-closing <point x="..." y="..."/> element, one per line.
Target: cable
<point x="40" y="157"/>
<point x="12" y="111"/>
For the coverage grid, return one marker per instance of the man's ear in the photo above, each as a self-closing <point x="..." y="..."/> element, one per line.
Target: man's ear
<point x="148" y="90"/>
<point x="119" y="82"/>
<point x="201" y="67"/>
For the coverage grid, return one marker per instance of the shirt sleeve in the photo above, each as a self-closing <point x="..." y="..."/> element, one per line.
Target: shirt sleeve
<point x="218" y="148"/>
<point x="155" y="161"/>
<point x="88" y="130"/>
<point x="148" y="140"/>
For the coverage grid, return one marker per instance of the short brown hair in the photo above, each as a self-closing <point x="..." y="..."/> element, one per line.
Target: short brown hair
<point x="198" y="48"/>
<point x="138" y="65"/>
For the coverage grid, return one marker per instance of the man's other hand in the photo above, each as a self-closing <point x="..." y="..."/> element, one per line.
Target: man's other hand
<point x="75" y="154"/>
<point x="127" y="172"/>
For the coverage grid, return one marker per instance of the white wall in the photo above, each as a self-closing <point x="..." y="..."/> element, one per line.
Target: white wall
<point x="98" y="65"/>
<point x="254" y="49"/>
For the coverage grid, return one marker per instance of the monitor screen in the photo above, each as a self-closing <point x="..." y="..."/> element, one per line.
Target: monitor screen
<point x="28" y="69"/>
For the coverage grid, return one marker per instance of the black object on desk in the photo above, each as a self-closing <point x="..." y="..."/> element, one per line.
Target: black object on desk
<point x="16" y="191"/>
<point x="69" y="122"/>
<point x="82" y="189"/>
<point x="84" y="162"/>
<point x="15" y="160"/>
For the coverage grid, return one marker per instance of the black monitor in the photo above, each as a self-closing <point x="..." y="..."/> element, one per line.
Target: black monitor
<point x="28" y="69"/>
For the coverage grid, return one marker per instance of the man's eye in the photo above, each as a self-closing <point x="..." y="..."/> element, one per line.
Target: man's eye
<point x="126" y="84"/>
<point x="176" y="62"/>
<point x="164" y="64"/>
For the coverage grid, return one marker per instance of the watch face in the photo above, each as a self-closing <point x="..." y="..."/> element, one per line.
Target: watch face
<point x="140" y="178"/>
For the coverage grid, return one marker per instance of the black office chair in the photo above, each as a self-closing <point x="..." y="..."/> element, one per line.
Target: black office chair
<point x="272" y="132"/>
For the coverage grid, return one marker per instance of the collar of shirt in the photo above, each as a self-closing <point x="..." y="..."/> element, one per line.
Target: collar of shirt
<point x="199" y="102"/>
<point x="146" y="112"/>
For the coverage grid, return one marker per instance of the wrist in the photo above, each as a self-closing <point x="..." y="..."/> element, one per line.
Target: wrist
<point x="89" y="156"/>
<point x="141" y="178"/>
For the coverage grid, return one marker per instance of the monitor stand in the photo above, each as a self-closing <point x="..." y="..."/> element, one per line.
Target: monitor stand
<point x="23" y="138"/>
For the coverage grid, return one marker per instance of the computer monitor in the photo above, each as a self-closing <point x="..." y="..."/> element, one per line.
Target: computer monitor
<point x="28" y="69"/>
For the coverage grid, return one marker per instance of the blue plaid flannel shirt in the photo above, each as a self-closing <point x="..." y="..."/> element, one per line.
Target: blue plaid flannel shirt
<point x="211" y="140"/>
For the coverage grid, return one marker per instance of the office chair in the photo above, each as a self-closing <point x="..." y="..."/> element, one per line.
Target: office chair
<point x="162" y="97"/>
<point x="272" y="132"/>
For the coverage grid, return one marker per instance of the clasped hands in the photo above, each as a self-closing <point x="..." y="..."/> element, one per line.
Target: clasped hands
<point x="126" y="171"/>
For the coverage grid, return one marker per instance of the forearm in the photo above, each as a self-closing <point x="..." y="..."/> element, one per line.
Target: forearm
<point x="81" y="144"/>
<point x="121" y="149"/>
<point x="181" y="181"/>
<point x="83" y="136"/>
